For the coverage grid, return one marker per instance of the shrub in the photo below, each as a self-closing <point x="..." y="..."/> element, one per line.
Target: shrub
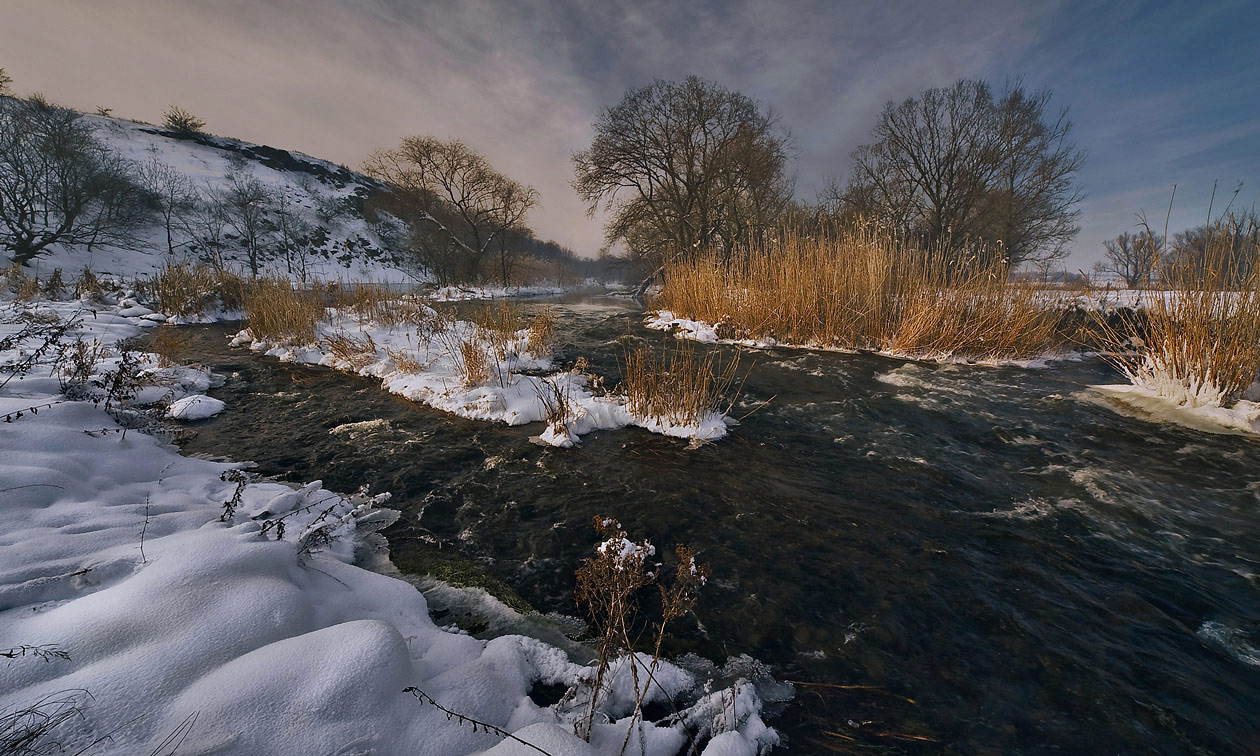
<point x="181" y="121"/>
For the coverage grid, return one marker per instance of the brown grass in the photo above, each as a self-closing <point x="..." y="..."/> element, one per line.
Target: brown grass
<point x="186" y="290"/>
<point x="405" y="361"/>
<point x="182" y="289"/>
<point x="679" y="385"/>
<point x="356" y="352"/>
<point x="472" y="362"/>
<point x="377" y="304"/>
<point x="542" y="332"/>
<point x="867" y="291"/>
<point x="499" y="323"/>
<point x="1199" y="342"/>
<point x="89" y="286"/>
<point x="279" y="311"/>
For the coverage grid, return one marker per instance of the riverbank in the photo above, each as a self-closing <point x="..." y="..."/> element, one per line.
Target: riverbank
<point x="157" y="601"/>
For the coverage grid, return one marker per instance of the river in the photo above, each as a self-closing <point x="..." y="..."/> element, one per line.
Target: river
<point x="985" y="558"/>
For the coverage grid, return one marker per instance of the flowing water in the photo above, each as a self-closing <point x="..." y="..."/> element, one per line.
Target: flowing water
<point x="986" y="560"/>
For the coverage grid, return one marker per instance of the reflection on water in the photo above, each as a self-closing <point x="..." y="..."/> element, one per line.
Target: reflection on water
<point x="993" y="563"/>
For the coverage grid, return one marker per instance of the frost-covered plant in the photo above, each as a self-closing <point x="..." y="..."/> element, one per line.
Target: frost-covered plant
<point x="1198" y="343"/>
<point x="609" y="585"/>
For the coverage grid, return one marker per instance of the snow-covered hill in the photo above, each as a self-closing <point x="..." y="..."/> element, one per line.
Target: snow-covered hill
<point x="312" y="221"/>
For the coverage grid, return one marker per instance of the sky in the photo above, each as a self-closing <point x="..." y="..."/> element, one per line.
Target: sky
<point x="1159" y="93"/>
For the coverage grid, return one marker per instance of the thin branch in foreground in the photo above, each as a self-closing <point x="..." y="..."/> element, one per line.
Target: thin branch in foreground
<point x="425" y="698"/>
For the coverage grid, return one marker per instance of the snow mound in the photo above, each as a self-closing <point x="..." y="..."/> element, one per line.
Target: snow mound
<point x="195" y="407"/>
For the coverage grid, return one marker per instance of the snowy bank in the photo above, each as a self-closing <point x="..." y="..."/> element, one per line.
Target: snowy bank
<point x="174" y="603"/>
<point x="1152" y="404"/>
<point x="426" y="365"/>
<point x="710" y="333"/>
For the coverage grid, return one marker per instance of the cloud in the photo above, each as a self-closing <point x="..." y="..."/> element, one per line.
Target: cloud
<point x="522" y="82"/>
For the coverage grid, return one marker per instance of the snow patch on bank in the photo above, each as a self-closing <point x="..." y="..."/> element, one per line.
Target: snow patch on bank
<point x="180" y="597"/>
<point x="1150" y="404"/>
<point x="510" y="396"/>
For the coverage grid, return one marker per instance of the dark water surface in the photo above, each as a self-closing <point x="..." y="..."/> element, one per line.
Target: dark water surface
<point x="993" y="563"/>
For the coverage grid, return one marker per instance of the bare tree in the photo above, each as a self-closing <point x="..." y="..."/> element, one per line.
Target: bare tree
<point x="683" y="166"/>
<point x="59" y="184"/>
<point x="513" y="202"/>
<point x="295" y="234"/>
<point x="247" y="201"/>
<point x="1133" y="257"/>
<point x="5" y="81"/>
<point x="1224" y="250"/>
<point x="455" y="202"/>
<point x="956" y="165"/>
<point x="205" y="224"/>
<point x="174" y="196"/>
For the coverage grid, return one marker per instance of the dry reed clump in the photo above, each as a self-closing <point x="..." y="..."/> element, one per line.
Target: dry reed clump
<point x="1198" y="342"/>
<point x="24" y="287"/>
<point x="678" y="386"/>
<point x="472" y="362"/>
<point x="404" y="361"/>
<point x="499" y="322"/>
<point x="279" y="311"/>
<point x="186" y="290"/>
<point x="183" y="290"/>
<point x="89" y="286"/>
<point x="358" y="353"/>
<point x="865" y="290"/>
<point x="542" y="332"/>
<point x="374" y="303"/>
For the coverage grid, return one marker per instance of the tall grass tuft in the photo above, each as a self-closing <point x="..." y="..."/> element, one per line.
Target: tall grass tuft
<point x="186" y="290"/>
<point x="1199" y="342"/>
<point x="865" y="290"/>
<point x="499" y="323"/>
<point x="279" y="311"/>
<point x="377" y="304"/>
<point x="358" y="353"/>
<point x="678" y="385"/>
